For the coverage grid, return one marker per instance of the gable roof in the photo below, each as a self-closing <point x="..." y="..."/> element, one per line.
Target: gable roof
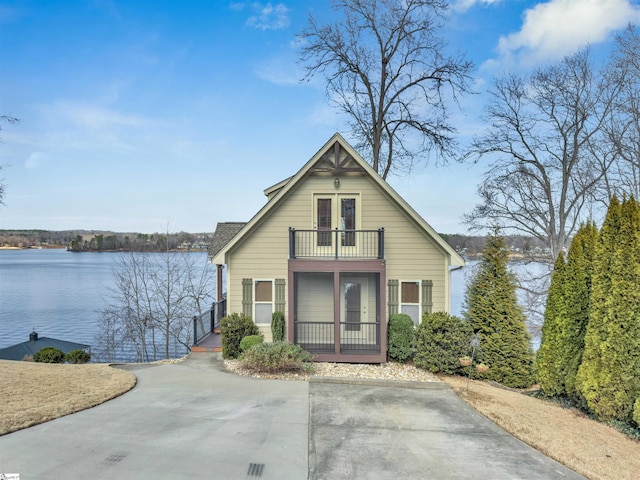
<point x="323" y="161"/>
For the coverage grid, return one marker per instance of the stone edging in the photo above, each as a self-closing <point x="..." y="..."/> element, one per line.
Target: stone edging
<point x="378" y="382"/>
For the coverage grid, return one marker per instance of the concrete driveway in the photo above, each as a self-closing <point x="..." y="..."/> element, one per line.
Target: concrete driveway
<point x="194" y="420"/>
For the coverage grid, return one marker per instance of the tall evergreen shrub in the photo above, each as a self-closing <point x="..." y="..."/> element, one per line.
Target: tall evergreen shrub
<point x="567" y="316"/>
<point x="441" y="340"/>
<point x="277" y="327"/>
<point x="609" y="376"/>
<point x="493" y="310"/>
<point x="577" y="298"/>
<point x="234" y="328"/>
<point x="549" y="367"/>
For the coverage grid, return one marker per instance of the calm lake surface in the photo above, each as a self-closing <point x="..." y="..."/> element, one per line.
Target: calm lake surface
<point x="60" y="293"/>
<point x="55" y="292"/>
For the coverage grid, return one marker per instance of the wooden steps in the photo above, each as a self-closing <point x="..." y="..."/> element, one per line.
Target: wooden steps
<point x="206" y="349"/>
<point x="210" y="343"/>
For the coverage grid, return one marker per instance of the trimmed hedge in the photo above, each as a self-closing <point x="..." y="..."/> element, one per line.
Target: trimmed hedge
<point x="234" y="328"/>
<point x="49" y="355"/>
<point x="77" y="356"/>
<point x="277" y="326"/>
<point x="441" y="340"/>
<point x="276" y="357"/>
<point x="247" y="342"/>
<point x="400" y="337"/>
<point x="636" y="411"/>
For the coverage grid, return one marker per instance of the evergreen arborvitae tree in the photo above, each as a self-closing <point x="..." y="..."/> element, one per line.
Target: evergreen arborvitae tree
<point x="492" y="308"/>
<point x="577" y="293"/>
<point x="609" y="376"/>
<point x="550" y="371"/>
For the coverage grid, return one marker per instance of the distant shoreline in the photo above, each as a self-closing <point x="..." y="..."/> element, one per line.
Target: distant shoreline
<point x="44" y="247"/>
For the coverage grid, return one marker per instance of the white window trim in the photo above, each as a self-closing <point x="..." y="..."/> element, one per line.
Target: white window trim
<point x="256" y="302"/>
<point x="419" y="304"/>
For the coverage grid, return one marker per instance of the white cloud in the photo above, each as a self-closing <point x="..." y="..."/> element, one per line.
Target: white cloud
<point x="268" y="16"/>
<point x="556" y="28"/>
<point x="93" y="116"/>
<point x="464" y="5"/>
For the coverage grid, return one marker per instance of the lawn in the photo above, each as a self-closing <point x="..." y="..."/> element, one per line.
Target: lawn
<point x="34" y="393"/>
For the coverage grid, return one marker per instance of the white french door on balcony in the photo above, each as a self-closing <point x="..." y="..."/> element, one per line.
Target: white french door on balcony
<point x="339" y="211"/>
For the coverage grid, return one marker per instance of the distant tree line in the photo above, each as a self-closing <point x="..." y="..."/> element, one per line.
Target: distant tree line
<point x="104" y="241"/>
<point x="518" y="245"/>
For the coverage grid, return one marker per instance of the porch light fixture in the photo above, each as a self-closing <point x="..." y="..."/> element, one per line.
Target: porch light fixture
<point x="336" y="182"/>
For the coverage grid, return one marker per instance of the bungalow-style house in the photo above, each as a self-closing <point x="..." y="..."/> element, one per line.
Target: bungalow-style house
<point x="338" y="251"/>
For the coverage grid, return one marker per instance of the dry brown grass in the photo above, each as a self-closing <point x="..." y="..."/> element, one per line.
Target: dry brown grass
<point x="34" y="393"/>
<point x="593" y="449"/>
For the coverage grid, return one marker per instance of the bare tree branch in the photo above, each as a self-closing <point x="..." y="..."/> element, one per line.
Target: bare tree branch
<point x="546" y="147"/>
<point x="385" y="67"/>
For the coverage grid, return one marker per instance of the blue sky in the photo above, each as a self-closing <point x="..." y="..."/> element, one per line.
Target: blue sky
<point x="138" y="115"/>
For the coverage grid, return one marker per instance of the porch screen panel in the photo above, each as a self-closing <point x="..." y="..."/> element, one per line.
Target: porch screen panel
<point x="314" y="303"/>
<point x="247" y="296"/>
<point x="324" y="222"/>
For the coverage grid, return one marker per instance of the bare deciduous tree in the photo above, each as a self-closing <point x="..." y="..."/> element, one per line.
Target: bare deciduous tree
<point x="547" y="151"/>
<point x="12" y="121"/>
<point x="385" y="66"/>
<point x="152" y="305"/>
<point x="624" y="123"/>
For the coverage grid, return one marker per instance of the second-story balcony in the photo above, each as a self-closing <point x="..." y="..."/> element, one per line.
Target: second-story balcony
<point x="336" y="244"/>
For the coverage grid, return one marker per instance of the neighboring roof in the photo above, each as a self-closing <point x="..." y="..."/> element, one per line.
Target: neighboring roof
<point x="225" y="231"/>
<point x="279" y="191"/>
<point x="26" y="349"/>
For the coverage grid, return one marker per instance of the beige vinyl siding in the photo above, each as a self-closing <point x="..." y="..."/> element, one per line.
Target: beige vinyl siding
<point x="409" y="253"/>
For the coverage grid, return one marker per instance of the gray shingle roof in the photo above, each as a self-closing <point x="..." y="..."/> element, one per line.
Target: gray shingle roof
<point x="24" y="349"/>
<point x="225" y="231"/>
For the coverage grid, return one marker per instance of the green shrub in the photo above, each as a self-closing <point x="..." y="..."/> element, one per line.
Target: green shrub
<point x="441" y="340"/>
<point x="247" y="342"/>
<point x="636" y="411"/>
<point x="77" y="356"/>
<point x="277" y="357"/>
<point x="234" y="328"/>
<point x="400" y="337"/>
<point x="49" y="355"/>
<point x="277" y="326"/>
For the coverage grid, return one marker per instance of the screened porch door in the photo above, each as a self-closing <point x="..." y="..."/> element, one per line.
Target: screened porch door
<point x="355" y="329"/>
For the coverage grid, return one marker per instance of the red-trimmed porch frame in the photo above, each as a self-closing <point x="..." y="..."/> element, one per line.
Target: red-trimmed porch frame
<point x="337" y="267"/>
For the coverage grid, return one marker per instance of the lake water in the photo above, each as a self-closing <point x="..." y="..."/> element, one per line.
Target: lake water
<point x="55" y="292"/>
<point x="60" y="294"/>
